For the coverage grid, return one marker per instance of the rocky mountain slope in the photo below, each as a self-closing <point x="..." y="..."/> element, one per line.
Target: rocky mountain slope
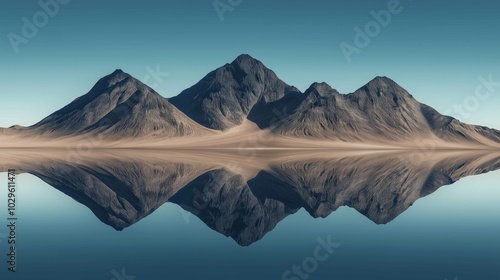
<point x="379" y="111"/>
<point x="224" y="98"/>
<point x="119" y="106"/>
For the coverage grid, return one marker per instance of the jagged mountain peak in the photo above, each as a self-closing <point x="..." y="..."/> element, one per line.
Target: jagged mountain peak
<point x="381" y="85"/>
<point x="321" y="89"/>
<point x="246" y="61"/>
<point x="114" y="78"/>
<point x="224" y="98"/>
<point x="245" y="66"/>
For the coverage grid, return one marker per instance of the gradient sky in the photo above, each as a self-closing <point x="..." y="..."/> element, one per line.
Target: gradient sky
<point x="434" y="49"/>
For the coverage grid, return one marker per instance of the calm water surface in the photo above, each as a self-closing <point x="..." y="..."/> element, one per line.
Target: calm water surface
<point x="453" y="233"/>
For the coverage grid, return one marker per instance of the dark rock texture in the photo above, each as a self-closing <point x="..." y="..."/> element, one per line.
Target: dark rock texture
<point x="224" y="98"/>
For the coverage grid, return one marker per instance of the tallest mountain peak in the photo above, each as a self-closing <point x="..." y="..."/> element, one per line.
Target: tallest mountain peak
<point x="118" y="73"/>
<point x="245" y="61"/>
<point x="113" y="79"/>
<point x="244" y="57"/>
<point x="225" y="97"/>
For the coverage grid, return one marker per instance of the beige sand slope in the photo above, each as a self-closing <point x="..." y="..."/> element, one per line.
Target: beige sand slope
<point x="244" y="138"/>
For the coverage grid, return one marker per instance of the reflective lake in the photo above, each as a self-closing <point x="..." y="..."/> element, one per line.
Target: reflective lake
<point x="261" y="215"/>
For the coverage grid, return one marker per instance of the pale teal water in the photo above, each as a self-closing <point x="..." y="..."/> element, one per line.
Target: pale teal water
<point x="451" y="234"/>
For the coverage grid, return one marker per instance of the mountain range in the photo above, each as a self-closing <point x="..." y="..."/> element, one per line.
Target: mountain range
<point x="245" y="96"/>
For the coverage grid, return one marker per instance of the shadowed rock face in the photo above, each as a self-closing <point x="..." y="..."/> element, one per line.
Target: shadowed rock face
<point x="123" y="190"/>
<point x="225" y="97"/>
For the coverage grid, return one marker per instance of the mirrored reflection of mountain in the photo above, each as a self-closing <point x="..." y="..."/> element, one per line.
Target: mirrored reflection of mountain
<point x="245" y="198"/>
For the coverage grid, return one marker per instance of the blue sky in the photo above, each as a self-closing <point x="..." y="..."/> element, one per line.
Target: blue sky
<point x="437" y="51"/>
